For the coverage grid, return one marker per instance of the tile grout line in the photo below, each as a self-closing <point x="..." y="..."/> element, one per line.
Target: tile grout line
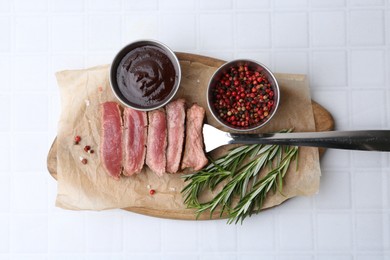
<point x="385" y="201"/>
<point x="350" y="107"/>
<point x="85" y="33"/>
<point x="12" y="126"/>
<point x="309" y="58"/>
<point x="50" y="114"/>
<point x="234" y="29"/>
<point x="272" y="34"/>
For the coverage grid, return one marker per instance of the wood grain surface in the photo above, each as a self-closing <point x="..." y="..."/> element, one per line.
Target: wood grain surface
<point x="323" y="122"/>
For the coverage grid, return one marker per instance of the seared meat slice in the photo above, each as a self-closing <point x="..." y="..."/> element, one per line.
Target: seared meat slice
<point x="157" y="142"/>
<point x="134" y="138"/>
<point x="111" y="139"/>
<point x="194" y="156"/>
<point x="176" y="115"/>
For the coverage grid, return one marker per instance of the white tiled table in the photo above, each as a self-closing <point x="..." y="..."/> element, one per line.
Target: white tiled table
<point x="342" y="45"/>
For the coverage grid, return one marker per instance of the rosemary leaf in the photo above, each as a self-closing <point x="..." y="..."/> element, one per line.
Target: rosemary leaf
<point x="237" y="176"/>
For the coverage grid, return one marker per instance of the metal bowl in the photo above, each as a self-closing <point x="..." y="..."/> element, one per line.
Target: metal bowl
<point x="122" y="54"/>
<point x="253" y="66"/>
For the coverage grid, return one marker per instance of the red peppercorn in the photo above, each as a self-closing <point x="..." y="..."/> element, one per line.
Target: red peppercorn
<point x="242" y="96"/>
<point x="84" y="161"/>
<point x="77" y="139"/>
<point x="152" y="192"/>
<point x="87" y="148"/>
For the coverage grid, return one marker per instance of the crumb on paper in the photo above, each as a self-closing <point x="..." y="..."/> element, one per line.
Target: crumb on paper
<point x="100" y="89"/>
<point x="172" y="189"/>
<point x="87" y="102"/>
<point x="198" y="81"/>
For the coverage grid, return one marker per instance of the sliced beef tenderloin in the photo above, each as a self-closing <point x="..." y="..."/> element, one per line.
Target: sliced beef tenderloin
<point x="134" y="140"/>
<point x="157" y="142"/>
<point x="176" y="115"/>
<point x="111" y="139"/>
<point x="194" y="156"/>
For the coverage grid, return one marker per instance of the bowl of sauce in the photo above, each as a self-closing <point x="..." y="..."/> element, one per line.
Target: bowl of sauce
<point x="145" y="75"/>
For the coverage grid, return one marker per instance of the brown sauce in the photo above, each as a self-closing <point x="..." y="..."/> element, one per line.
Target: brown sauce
<point x="146" y="76"/>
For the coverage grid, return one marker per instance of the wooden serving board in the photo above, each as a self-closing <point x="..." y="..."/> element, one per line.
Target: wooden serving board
<point x="323" y="122"/>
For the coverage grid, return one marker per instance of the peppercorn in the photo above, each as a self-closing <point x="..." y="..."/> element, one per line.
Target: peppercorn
<point x="238" y="95"/>
<point x="77" y="139"/>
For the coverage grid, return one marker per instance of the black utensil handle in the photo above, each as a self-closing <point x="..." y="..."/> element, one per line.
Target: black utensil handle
<point x="369" y="140"/>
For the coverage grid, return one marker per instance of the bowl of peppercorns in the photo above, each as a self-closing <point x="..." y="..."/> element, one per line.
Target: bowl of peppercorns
<point x="243" y="95"/>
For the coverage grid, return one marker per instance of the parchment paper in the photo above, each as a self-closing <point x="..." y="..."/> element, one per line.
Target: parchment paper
<point x="88" y="187"/>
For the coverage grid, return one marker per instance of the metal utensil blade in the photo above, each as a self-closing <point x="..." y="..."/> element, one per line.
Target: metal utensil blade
<point x="214" y="138"/>
<point x="366" y="140"/>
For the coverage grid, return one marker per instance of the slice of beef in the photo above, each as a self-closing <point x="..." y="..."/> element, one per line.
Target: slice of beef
<point x="194" y="156"/>
<point x="176" y="115"/>
<point x="111" y="139"/>
<point x="157" y="142"/>
<point x="134" y="140"/>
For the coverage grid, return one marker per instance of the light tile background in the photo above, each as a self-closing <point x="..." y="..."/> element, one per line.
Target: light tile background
<point x="342" y="45"/>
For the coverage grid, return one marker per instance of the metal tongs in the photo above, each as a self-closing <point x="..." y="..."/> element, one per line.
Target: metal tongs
<point x="368" y="140"/>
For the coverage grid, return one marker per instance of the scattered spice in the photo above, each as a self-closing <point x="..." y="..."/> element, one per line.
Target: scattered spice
<point x="152" y="192"/>
<point x="243" y="97"/>
<point x="83" y="160"/>
<point x="87" y="148"/>
<point x="77" y="139"/>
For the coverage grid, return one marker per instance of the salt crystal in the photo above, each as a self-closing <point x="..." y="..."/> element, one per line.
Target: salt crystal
<point x="148" y="186"/>
<point x="87" y="102"/>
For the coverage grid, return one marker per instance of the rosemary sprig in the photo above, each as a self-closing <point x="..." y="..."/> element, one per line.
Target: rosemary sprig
<point x="239" y="170"/>
<point x="252" y="201"/>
